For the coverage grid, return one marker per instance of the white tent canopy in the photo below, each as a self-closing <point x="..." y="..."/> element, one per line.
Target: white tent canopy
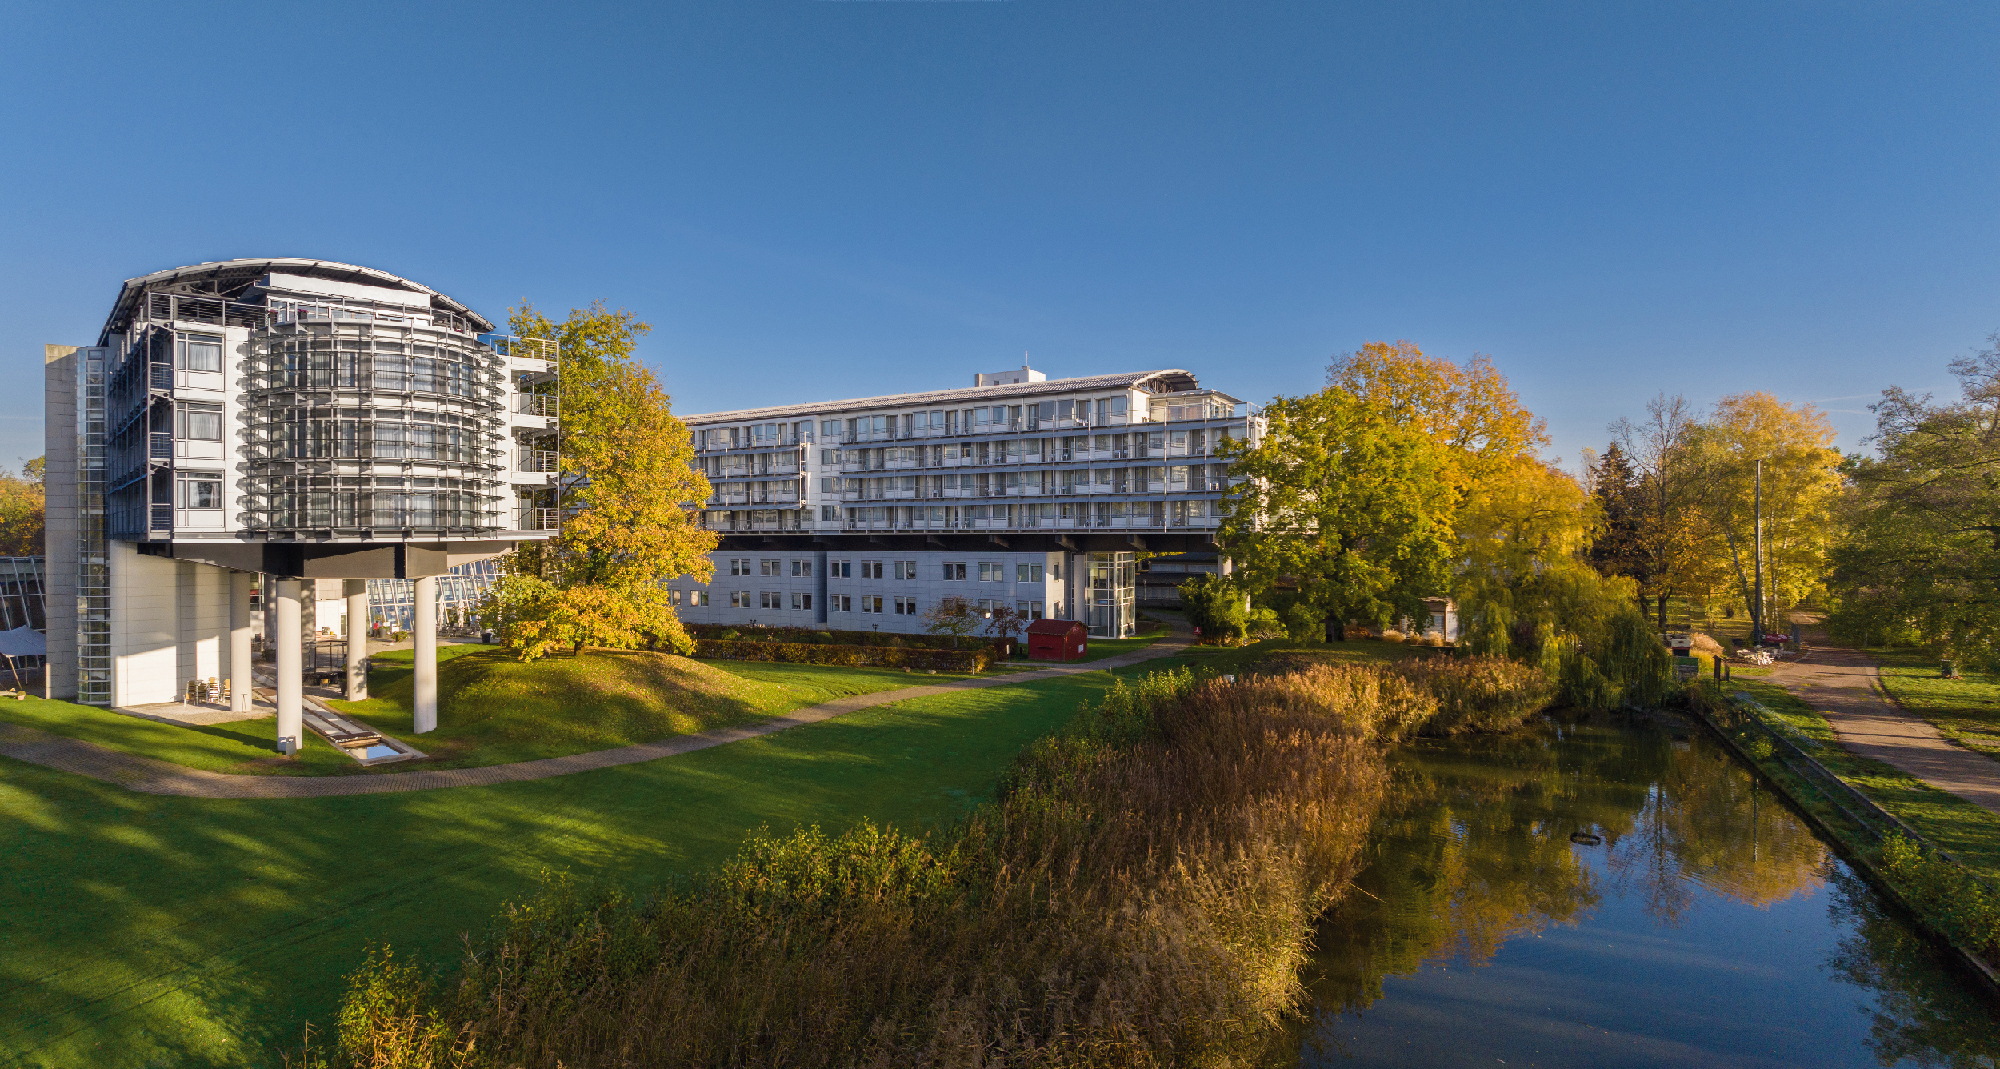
<point x="24" y="642"/>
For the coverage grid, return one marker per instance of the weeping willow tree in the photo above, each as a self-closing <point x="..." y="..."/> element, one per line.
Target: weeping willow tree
<point x="1525" y="591"/>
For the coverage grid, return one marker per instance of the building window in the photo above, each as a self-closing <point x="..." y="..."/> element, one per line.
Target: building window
<point x="826" y="486"/>
<point x="1030" y="609"/>
<point x="769" y="567"/>
<point x="199" y="352"/>
<point x="1028" y="573"/>
<point x="697" y="597"/>
<point x="203" y="422"/>
<point x="992" y="572"/>
<point x="906" y="606"/>
<point x="739" y="599"/>
<point x="802" y="567"/>
<point x="954" y="571"/>
<point x="738" y="566"/>
<point x="871" y="604"/>
<point x="839" y="569"/>
<point x="839" y="603"/>
<point x="198" y="493"/>
<point x="770" y="599"/>
<point x="871" y="569"/>
<point x="829" y="512"/>
<point x="802" y="601"/>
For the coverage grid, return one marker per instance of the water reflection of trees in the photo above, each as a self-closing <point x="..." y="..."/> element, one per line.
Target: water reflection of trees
<point x="1707" y="823"/>
<point x="1920" y="1014"/>
<point x="1473" y="847"/>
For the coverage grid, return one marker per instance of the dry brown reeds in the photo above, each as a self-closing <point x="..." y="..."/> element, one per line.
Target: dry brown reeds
<point x="1142" y="894"/>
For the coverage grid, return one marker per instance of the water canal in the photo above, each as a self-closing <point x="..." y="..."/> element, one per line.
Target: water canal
<point x="1617" y="892"/>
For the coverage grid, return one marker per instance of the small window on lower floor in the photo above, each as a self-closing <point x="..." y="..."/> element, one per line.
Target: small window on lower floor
<point x="802" y="601"/>
<point x="198" y="493"/>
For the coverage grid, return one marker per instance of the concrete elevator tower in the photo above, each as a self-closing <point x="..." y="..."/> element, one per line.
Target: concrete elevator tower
<point x="281" y="419"/>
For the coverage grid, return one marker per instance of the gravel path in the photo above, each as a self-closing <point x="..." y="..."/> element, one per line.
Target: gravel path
<point x="149" y="776"/>
<point x="1844" y="686"/>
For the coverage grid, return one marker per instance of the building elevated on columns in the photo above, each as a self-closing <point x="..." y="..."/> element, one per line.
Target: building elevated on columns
<point x="1023" y="491"/>
<point x="285" y="418"/>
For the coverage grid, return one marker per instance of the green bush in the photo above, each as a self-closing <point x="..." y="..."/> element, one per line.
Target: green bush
<point x="1954" y="902"/>
<point x="847" y="655"/>
<point x="1215" y="606"/>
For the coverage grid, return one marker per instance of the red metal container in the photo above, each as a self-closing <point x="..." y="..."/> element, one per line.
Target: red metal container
<point x="1057" y="640"/>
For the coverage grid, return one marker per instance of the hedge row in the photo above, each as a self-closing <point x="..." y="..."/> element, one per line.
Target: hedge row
<point x="968" y="660"/>
<point x="814" y="636"/>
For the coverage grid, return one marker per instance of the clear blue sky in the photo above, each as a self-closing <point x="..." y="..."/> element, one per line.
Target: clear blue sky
<point x="828" y="199"/>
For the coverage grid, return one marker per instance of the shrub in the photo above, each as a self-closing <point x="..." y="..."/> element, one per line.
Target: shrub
<point x="1263" y="623"/>
<point x="1704" y="643"/>
<point x="1479" y="693"/>
<point x="1215" y="606"/>
<point x="1433" y="639"/>
<point x="846" y="655"/>
<point x="1392" y="635"/>
<point x="1142" y="892"/>
<point x="1959" y="905"/>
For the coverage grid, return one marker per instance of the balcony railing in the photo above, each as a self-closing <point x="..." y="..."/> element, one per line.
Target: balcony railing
<point x="539" y="460"/>
<point x="534" y="519"/>
<point x="538" y="404"/>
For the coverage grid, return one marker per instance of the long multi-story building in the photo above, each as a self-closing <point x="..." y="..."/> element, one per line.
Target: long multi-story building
<point x="276" y="420"/>
<point x="1022" y="491"/>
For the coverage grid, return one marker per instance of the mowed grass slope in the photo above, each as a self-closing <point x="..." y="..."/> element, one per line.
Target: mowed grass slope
<point x="492" y="710"/>
<point x="137" y="930"/>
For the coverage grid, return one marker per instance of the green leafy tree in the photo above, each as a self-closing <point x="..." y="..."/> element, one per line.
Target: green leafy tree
<point x="628" y="487"/>
<point x="952" y="616"/>
<point x="22" y="519"/>
<point x="1214" y="606"/>
<point x="1922" y="539"/>
<point x="1350" y="504"/>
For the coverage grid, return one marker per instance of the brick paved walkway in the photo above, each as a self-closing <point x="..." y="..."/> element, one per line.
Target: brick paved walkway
<point x="149" y="776"/>
<point x="1844" y="686"/>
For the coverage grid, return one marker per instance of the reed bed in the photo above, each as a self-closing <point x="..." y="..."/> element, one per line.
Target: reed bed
<point x="1142" y="893"/>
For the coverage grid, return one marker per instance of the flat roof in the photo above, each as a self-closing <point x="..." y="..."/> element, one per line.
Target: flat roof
<point x="1158" y="382"/>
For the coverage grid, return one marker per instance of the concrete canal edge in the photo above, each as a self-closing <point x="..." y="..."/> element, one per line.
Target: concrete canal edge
<point x="1860" y="842"/>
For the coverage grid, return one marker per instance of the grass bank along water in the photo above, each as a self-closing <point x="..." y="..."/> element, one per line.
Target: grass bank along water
<point x="1948" y="894"/>
<point x="1142" y="892"/>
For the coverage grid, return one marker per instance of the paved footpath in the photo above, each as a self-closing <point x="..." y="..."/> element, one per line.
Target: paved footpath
<point x="1844" y="686"/>
<point x="149" y="776"/>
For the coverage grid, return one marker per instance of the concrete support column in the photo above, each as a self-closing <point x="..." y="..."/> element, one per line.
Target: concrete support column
<point x="357" y="638"/>
<point x="290" y="654"/>
<point x="241" y="681"/>
<point x="424" y="631"/>
<point x="270" y="614"/>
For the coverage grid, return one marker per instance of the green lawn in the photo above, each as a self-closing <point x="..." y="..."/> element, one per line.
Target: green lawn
<point x="493" y="710"/>
<point x="142" y="931"/>
<point x="1968" y="831"/>
<point x="517" y="713"/>
<point x="1966" y="710"/>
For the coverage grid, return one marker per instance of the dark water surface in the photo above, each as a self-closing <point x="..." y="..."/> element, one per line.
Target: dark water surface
<point x="1710" y="926"/>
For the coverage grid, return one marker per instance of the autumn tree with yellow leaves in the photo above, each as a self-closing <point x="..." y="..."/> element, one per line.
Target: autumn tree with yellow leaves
<point x="627" y="484"/>
<point x="1412" y="476"/>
